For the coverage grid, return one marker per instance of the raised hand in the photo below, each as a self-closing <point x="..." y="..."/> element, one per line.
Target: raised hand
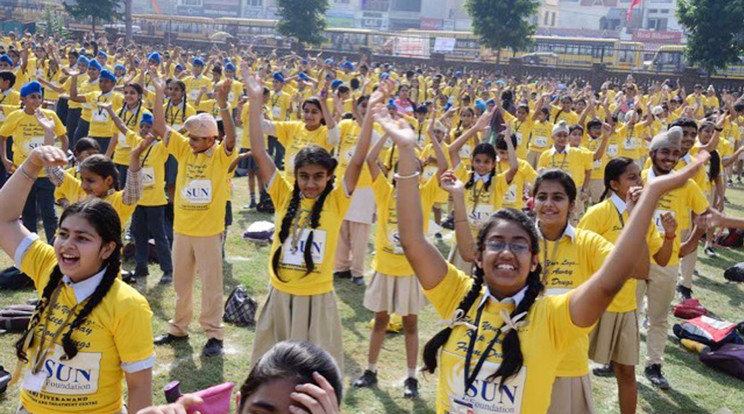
<point x="48" y="156"/>
<point x="252" y="82"/>
<point x="400" y="131"/>
<point x="46" y="123"/>
<point x="669" y="223"/>
<point x="669" y="182"/>
<point x="449" y="182"/>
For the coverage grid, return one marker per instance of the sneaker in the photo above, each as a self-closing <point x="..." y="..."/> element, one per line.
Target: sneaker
<point x="168" y="339"/>
<point x="128" y="277"/>
<point x="367" y="379"/>
<point x="141" y="273"/>
<point x="166" y="279"/>
<point x="655" y="377"/>
<point x="253" y="204"/>
<point x="410" y="388"/>
<point x="449" y="223"/>
<point x="710" y="251"/>
<point x="344" y="274"/>
<point x="357" y="280"/>
<point x="438" y="236"/>
<point x="605" y="370"/>
<point x="213" y="347"/>
<point x="685" y="292"/>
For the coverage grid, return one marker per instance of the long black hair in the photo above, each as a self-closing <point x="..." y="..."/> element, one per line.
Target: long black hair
<point x="487" y="150"/>
<point x="309" y="155"/>
<point x="613" y="170"/>
<point x="314" y="100"/>
<point x="105" y="220"/>
<point x="715" y="157"/>
<point x="560" y="176"/>
<point x="292" y="360"/>
<point x="511" y="348"/>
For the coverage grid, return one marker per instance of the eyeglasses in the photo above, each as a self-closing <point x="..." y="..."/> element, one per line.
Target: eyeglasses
<point x="515" y="248"/>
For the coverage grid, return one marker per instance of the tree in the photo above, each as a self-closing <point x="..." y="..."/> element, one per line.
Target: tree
<point x="303" y="19"/>
<point x="503" y="23"/>
<point x="105" y="10"/>
<point x="715" y="37"/>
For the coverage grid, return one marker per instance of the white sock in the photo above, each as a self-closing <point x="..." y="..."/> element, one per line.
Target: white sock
<point x="372" y="367"/>
<point x="412" y="373"/>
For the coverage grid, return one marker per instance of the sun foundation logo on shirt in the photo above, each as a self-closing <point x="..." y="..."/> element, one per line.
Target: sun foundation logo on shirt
<point x="293" y="252"/>
<point x="78" y="376"/>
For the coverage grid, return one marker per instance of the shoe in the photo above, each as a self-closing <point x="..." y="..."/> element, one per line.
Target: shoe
<point x="604" y="370"/>
<point x="655" y="377"/>
<point x="166" y="279"/>
<point x="685" y="292"/>
<point x="213" y="347"/>
<point x="344" y="274"/>
<point x="128" y="277"/>
<point x="438" y="236"/>
<point x="710" y="251"/>
<point x="449" y="223"/>
<point x="168" y="339"/>
<point x="357" y="280"/>
<point x="253" y="204"/>
<point x="410" y="388"/>
<point x="367" y="379"/>
<point x="140" y="274"/>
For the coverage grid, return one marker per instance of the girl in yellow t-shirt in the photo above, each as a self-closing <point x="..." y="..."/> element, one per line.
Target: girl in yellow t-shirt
<point x="87" y="320"/>
<point x="84" y="148"/>
<point x="503" y="337"/>
<point x="310" y="209"/>
<point x="540" y="134"/>
<point x="131" y="113"/>
<point x="615" y="339"/>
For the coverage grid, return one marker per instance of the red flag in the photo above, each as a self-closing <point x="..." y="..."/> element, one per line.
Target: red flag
<point x="629" y="13"/>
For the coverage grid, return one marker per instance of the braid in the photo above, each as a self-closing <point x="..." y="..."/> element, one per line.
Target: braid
<point x="431" y="349"/>
<point x="314" y="223"/>
<point x="112" y="272"/>
<point x="46" y="296"/>
<point x="292" y="208"/>
<point x="491" y="176"/>
<point x="391" y="157"/>
<point x="471" y="181"/>
<point x="511" y="349"/>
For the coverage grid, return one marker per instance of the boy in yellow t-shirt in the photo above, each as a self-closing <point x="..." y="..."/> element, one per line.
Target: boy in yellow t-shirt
<point x="571" y="160"/>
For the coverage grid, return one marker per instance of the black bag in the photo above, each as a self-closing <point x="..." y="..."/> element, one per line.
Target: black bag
<point x="735" y="273"/>
<point x="4" y="379"/>
<point x="12" y="279"/>
<point x="15" y="318"/>
<point x="240" y="308"/>
<point x="733" y="238"/>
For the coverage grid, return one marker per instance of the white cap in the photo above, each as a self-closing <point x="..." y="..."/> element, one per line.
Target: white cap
<point x="561" y="126"/>
<point x="657" y="110"/>
<point x="667" y="139"/>
<point x="201" y="125"/>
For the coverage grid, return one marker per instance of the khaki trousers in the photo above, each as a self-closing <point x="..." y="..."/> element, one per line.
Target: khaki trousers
<point x="533" y="157"/>
<point x="687" y="265"/>
<point x="596" y="188"/>
<point x="202" y="255"/>
<point x="659" y="288"/>
<point x="352" y="247"/>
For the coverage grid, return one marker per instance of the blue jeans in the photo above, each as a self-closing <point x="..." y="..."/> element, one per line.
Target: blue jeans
<point x="73" y="116"/>
<point x="122" y="170"/>
<point x="276" y="150"/>
<point x="41" y="198"/>
<point x="61" y="109"/>
<point x="150" y="222"/>
<point x="82" y="131"/>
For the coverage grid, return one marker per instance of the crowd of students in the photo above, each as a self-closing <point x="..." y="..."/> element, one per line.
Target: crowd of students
<point x="575" y="213"/>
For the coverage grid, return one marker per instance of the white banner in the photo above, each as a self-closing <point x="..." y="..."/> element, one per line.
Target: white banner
<point x="444" y="44"/>
<point x="411" y="47"/>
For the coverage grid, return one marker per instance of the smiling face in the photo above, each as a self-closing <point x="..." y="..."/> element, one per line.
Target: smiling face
<point x="93" y="73"/>
<point x="664" y="159"/>
<point x="689" y="133"/>
<point x="131" y="97"/>
<point x="706" y="133"/>
<point x="32" y="101"/>
<point x="466" y="117"/>
<point x="574" y="138"/>
<point x="80" y="250"/>
<point x="106" y="85"/>
<point x="506" y="271"/>
<point x="176" y="93"/>
<point x="482" y="164"/>
<point x="552" y="203"/>
<point x="560" y="139"/>
<point x="312" y="179"/>
<point x="94" y="184"/>
<point x="201" y="144"/>
<point x="311" y="115"/>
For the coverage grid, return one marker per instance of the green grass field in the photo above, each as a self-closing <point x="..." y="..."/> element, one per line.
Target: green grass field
<point x="695" y="388"/>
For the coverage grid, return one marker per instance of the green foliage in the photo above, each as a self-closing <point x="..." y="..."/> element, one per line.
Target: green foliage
<point x="503" y="23"/>
<point x="53" y="24"/>
<point x="303" y="19"/>
<point x="715" y="36"/>
<point x="97" y="10"/>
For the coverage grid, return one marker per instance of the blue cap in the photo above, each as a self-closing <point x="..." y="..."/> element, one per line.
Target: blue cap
<point x="278" y="77"/>
<point x="146" y="118"/>
<point x="479" y="104"/>
<point x="93" y="64"/>
<point x="488" y="83"/>
<point x="422" y="109"/>
<point x="102" y="53"/>
<point x="179" y="67"/>
<point x="83" y="59"/>
<point x="154" y="56"/>
<point x="230" y="66"/>
<point x="29" y="88"/>
<point x="329" y="61"/>
<point x="500" y="82"/>
<point x="303" y="76"/>
<point x="348" y="65"/>
<point x="391" y="103"/>
<point x="6" y="59"/>
<point x="305" y="62"/>
<point x="491" y="102"/>
<point x="458" y="73"/>
<point x="384" y="75"/>
<point x="106" y="74"/>
<point x="120" y="66"/>
<point x="336" y="83"/>
<point x="197" y="61"/>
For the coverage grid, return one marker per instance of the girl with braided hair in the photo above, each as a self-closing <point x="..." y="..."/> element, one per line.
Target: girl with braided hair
<point x="504" y="341"/>
<point x="301" y="303"/>
<point x="90" y="330"/>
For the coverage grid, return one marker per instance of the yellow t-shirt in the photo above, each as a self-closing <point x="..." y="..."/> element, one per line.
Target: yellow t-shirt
<point x="10" y="97"/>
<point x="294" y="136"/>
<point x="101" y="124"/>
<point x="572" y="160"/>
<point x="194" y="85"/>
<point x="513" y="198"/>
<point x="540" y="136"/>
<point x="278" y="104"/>
<point x="153" y="171"/>
<point x="77" y="194"/>
<point x="245" y="115"/>
<point x="350" y="131"/>
<point x="705" y="183"/>
<point x="571" y="261"/>
<point x="522" y="130"/>
<point x="131" y="119"/>
<point x="292" y="265"/>
<point x="176" y="115"/>
<point x="557" y="114"/>
<point x="389" y="257"/>
<point x="480" y="201"/>
<point x="72" y="185"/>
<point x="632" y="143"/>
<point x="116" y="332"/>
<point x="83" y="90"/>
<point x="605" y="219"/>
<point x="598" y="166"/>
<point x="27" y="133"/>
<point x="680" y="201"/>
<point x="201" y="187"/>
<point x="548" y="334"/>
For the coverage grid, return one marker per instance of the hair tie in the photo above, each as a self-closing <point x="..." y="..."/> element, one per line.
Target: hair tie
<point x="459" y="318"/>
<point x="510" y="323"/>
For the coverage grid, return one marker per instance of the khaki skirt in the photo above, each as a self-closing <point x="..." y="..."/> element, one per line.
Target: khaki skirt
<point x="401" y="295"/>
<point x="460" y="263"/>
<point x="572" y="395"/>
<point x="615" y="338"/>
<point x="314" y="319"/>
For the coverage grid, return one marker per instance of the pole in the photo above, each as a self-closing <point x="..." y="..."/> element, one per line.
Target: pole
<point x="128" y="20"/>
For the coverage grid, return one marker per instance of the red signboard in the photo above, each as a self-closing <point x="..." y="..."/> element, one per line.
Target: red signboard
<point x="657" y="36"/>
<point x="428" y="23"/>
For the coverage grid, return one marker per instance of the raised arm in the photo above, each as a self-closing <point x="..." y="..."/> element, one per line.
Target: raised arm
<point x="513" y="162"/>
<point x="374" y="156"/>
<point x="158" y="114"/>
<point x="464" y="236"/>
<point x="221" y="93"/>
<point x="254" y="86"/>
<point x="74" y="87"/>
<point x="606" y="132"/>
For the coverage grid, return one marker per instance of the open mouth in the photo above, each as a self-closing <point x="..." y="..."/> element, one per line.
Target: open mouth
<point x="506" y="267"/>
<point x="69" y="260"/>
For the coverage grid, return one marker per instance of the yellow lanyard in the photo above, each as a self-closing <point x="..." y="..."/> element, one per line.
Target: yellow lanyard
<point x="563" y="162"/>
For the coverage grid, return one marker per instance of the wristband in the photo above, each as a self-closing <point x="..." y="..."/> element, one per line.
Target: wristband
<point x="227" y="108"/>
<point x="26" y="173"/>
<point x="405" y="177"/>
<point x="670" y="238"/>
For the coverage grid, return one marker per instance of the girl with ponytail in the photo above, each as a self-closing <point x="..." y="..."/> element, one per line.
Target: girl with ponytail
<point x="504" y="341"/>
<point x="131" y="114"/>
<point x="615" y="340"/>
<point x="90" y="330"/>
<point x="301" y="303"/>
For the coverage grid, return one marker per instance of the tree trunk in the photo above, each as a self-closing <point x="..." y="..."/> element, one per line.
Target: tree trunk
<point x="128" y="20"/>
